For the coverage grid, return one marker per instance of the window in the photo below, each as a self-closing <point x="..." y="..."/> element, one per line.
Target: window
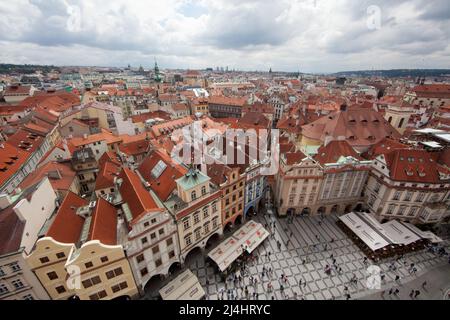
<point x="44" y="259"/>
<point x="196" y="217"/>
<point x="206" y="227"/>
<point x="52" y="275"/>
<point x="60" y="289"/>
<point x="158" y="263"/>
<point x="3" y="289"/>
<point x="153" y="236"/>
<point x="91" y="282"/>
<point x="412" y="212"/>
<point x="227" y="202"/>
<point x="60" y="255"/>
<point x="146" y="224"/>
<point x="140" y="258"/>
<point x="119" y="287"/>
<point x="214" y="207"/>
<point x="153" y="220"/>
<point x="203" y="190"/>
<point x="104" y="259"/>
<point x="15" y="267"/>
<point x="88" y="265"/>
<point x="198" y="233"/>
<point x="17" y="284"/>
<point x="155" y="249"/>
<point x="396" y="195"/>
<point x="186" y="224"/>
<point x="408" y="196"/>
<point x="144" y="240"/>
<point x="2" y="273"/>
<point x="144" y="272"/>
<point x="28" y="297"/>
<point x="193" y="195"/>
<point x="205" y="212"/>
<point x="171" y="254"/>
<point x="114" y="273"/>
<point x="390" y="209"/>
<point x="420" y="197"/>
<point x="188" y="240"/>
<point x="169" y="242"/>
<point x="99" y="295"/>
<point x="215" y="222"/>
<point x="161" y="232"/>
<point x="401" y="211"/>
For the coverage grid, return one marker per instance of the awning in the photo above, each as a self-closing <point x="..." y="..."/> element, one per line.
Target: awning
<point x="183" y="287"/>
<point x="247" y="238"/>
<point x="369" y="234"/>
<point x="399" y="233"/>
<point x="377" y="236"/>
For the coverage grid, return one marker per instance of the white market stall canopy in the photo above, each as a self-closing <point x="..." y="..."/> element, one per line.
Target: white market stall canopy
<point x="376" y="235"/>
<point x="247" y="238"/>
<point x="183" y="287"/>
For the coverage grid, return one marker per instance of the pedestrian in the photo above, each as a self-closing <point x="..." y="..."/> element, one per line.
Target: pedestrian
<point x="281" y="288"/>
<point x="424" y="285"/>
<point x="396" y="292"/>
<point x="320" y="223"/>
<point x="416" y="294"/>
<point x="411" y="294"/>
<point x="300" y="282"/>
<point x="348" y="296"/>
<point x="332" y="240"/>
<point x="291" y="234"/>
<point x="382" y="293"/>
<point x="391" y="291"/>
<point x="295" y="295"/>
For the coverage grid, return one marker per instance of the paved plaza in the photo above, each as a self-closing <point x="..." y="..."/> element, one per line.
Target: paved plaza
<point x="305" y="259"/>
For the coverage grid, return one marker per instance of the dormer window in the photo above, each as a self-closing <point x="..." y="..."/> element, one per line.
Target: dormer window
<point x="193" y="195"/>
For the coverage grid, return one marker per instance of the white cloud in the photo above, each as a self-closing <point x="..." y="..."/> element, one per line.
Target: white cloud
<point x="305" y="35"/>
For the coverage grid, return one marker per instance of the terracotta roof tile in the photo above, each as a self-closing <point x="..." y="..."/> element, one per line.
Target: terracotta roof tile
<point x="67" y="225"/>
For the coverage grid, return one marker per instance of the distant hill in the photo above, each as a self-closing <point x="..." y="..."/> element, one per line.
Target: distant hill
<point x="396" y="73"/>
<point x="24" y="69"/>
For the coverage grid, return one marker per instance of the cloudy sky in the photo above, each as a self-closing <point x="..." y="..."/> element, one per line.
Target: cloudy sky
<point x="291" y="35"/>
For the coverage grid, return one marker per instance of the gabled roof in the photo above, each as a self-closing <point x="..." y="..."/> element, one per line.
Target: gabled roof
<point x="385" y="145"/>
<point x="135" y="195"/>
<point x="192" y="179"/>
<point x="25" y="140"/>
<point x="412" y="165"/>
<point x="103" y="225"/>
<point x="334" y="150"/>
<point x="60" y="175"/>
<point x="163" y="185"/>
<point x="11" y="159"/>
<point x="294" y="157"/>
<point x="67" y="225"/>
<point x="108" y="171"/>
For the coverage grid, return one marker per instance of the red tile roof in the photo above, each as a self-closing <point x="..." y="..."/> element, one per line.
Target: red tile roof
<point x="229" y="101"/>
<point x="103" y="225"/>
<point x="360" y="126"/>
<point x="334" y="150"/>
<point x="67" y="225"/>
<point x="165" y="184"/>
<point x="25" y="140"/>
<point x="134" y="193"/>
<point x="108" y="171"/>
<point x="60" y="175"/>
<point x="11" y="159"/>
<point x="294" y="157"/>
<point x="385" y="145"/>
<point x="412" y="166"/>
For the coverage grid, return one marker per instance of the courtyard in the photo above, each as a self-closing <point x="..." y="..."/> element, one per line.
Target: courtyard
<point x="313" y="244"/>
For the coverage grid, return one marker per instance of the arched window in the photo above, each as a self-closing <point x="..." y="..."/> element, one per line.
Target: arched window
<point x="401" y="122"/>
<point x="390" y="120"/>
<point x="193" y="195"/>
